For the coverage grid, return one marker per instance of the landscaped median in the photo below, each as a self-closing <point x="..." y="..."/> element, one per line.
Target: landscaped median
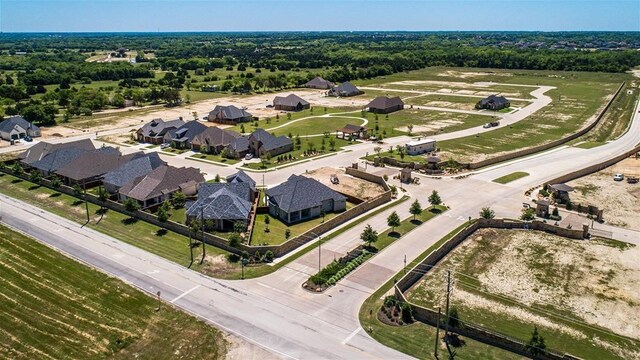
<point x="511" y="177"/>
<point x="340" y="268"/>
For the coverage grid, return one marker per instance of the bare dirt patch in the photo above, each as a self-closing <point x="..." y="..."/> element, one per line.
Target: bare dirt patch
<point x="349" y="185"/>
<point x="505" y="274"/>
<point x="619" y="199"/>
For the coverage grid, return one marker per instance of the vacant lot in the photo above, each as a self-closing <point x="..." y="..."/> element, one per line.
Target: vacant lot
<point x="54" y="307"/>
<point x="620" y="200"/>
<point x="581" y="294"/>
<point x="349" y="185"/>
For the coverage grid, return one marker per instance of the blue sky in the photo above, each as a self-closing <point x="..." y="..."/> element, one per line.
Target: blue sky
<point x="265" y="15"/>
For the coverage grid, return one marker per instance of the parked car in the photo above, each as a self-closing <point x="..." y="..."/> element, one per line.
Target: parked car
<point x="618" y="177"/>
<point x="632" y="180"/>
<point x="248" y="157"/>
<point x="28" y="139"/>
<point x="487" y="125"/>
<point x="164" y="146"/>
<point x="495" y="123"/>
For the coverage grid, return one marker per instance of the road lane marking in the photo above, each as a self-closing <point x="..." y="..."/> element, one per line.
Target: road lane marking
<point x="356" y="331"/>
<point x="185" y="294"/>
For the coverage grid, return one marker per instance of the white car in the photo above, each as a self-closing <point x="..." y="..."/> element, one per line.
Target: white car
<point x="248" y="157"/>
<point x="164" y="146"/>
<point x="618" y="177"/>
<point x="487" y="125"/>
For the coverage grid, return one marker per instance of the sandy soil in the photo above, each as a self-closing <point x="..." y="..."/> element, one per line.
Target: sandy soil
<point x="620" y="200"/>
<point x="588" y="279"/>
<point x="350" y="185"/>
<point x="240" y="349"/>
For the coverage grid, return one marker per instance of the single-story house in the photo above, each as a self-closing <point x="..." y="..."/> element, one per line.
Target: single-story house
<point x="319" y="83"/>
<point x="160" y="185"/>
<point x="154" y="131"/>
<point x="262" y="143"/>
<point x="228" y="115"/>
<point x="16" y="127"/>
<point x="345" y="89"/>
<point x="242" y="177"/>
<point x="238" y="148"/>
<point x="128" y="172"/>
<point x="223" y="204"/>
<point x="56" y="160"/>
<point x="353" y="131"/>
<point x="301" y="198"/>
<point x="420" y="146"/>
<point x="385" y="105"/>
<point x="291" y="102"/>
<point x="183" y="135"/>
<point x="213" y="140"/>
<point x="88" y="168"/>
<point x="38" y="151"/>
<point x="493" y="102"/>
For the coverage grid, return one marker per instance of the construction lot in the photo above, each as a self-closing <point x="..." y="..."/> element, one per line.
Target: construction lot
<point x="619" y="199"/>
<point x="359" y="188"/>
<point x="582" y="295"/>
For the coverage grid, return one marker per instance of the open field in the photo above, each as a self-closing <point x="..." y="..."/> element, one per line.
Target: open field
<point x="618" y="117"/>
<point x="455" y="102"/>
<point x="54" y="307"/>
<point x="299" y="150"/>
<point x="510" y="280"/>
<point x="619" y="200"/>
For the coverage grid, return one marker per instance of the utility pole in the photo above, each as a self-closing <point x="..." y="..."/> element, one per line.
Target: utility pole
<point x="204" y="252"/>
<point x="86" y="204"/>
<point x="404" y="270"/>
<point x="435" y="349"/>
<point x="319" y="253"/>
<point x="190" y="249"/>
<point x="446" y="325"/>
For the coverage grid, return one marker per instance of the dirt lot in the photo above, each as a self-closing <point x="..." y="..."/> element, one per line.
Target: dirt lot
<point x="620" y="200"/>
<point x="350" y="185"/>
<point x="501" y="274"/>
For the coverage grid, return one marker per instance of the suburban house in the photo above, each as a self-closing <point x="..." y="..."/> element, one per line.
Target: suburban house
<point x="353" y="132"/>
<point x="213" y="140"/>
<point x="58" y="159"/>
<point x="154" y="131"/>
<point x="420" y="146"/>
<point x="224" y="204"/>
<point x="183" y="135"/>
<point x="261" y="143"/>
<point x="160" y="185"/>
<point x="16" y="128"/>
<point x="302" y="198"/>
<point x="345" y="89"/>
<point x="89" y="167"/>
<point x="385" y="105"/>
<point x="291" y="102"/>
<point x="493" y="102"/>
<point x="319" y="83"/>
<point x="38" y="151"/>
<point x="128" y="172"/>
<point x="238" y="148"/>
<point x="228" y="115"/>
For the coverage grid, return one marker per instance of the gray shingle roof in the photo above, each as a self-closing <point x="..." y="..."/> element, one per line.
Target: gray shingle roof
<point x="242" y="177"/>
<point x="135" y="168"/>
<point x="158" y="127"/>
<point x="95" y="163"/>
<point x="345" y="89"/>
<point x="8" y="124"/>
<point x="42" y="149"/>
<point x="268" y="141"/>
<point x="58" y="159"/>
<point x="300" y="192"/>
<point x="240" y="144"/>
<point x="319" y="82"/>
<point x="225" y="201"/>
<point x="162" y="180"/>
<point x="290" y="100"/>
<point x="494" y="99"/>
<point x="214" y="136"/>
<point x="189" y="130"/>
<point x="229" y="112"/>
<point x="384" y="102"/>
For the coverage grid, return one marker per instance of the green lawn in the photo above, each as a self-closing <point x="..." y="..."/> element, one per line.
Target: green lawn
<point x="456" y="102"/>
<point x="617" y="118"/>
<point x="298" y="152"/>
<point x="589" y="144"/>
<point x="511" y="177"/>
<point x="316" y="125"/>
<point x="387" y="237"/>
<point x="283" y="118"/>
<point x="396" y="155"/>
<point x="55" y="307"/>
<point x="418" y="339"/>
<point x="216" y="158"/>
<point x="277" y="228"/>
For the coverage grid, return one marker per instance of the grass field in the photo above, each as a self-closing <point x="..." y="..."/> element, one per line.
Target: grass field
<point x="509" y="280"/>
<point x="317" y="125"/>
<point x="617" y="118"/>
<point x="418" y="339"/>
<point x="455" y="102"/>
<point x="511" y="177"/>
<point x="298" y="151"/>
<point x="284" y="118"/>
<point x="216" y="158"/>
<point x="54" y="307"/>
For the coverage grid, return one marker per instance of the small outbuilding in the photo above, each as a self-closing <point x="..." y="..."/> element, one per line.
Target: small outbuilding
<point x="542" y="208"/>
<point x="405" y="175"/>
<point x="385" y="105"/>
<point x="560" y="191"/>
<point x="418" y="147"/>
<point x="353" y="132"/>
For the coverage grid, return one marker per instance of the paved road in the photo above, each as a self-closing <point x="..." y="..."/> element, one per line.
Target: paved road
<point x="273" y="311"/>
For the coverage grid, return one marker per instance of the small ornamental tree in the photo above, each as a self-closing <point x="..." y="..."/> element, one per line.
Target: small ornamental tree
<point x="528" y="214"/>
<point x="238" y="227"/>
<point x="217" y="178"/>
<point x="369" y="236"/>
<point x="34" y="176"/>
<point x="266" y="223"/>
<point x="393" y="220"/>
<point x="536" y="344"/>
<point x="287" y="234"/>
<point x="178" y="200"/>
<point x="77" y="190"/>
<point x="131" y="205"/>
<point x="415" y="209"/>
<point x="234" y="240"/>
<point x="434" y="198"/>
<point x="17" y="169"/>
<point x="162" y="214"/>
<point x="55" y="182"/>
<point x="487" y="213"/>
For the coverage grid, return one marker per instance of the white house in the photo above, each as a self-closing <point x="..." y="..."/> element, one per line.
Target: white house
<point x="16" y="127"/>
<point x="420" y="146"/>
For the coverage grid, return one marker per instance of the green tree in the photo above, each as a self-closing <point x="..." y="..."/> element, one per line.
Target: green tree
<point x="234" y="240"/>
<point x="217" y="178"/>
<point x="18" y="169"/>
<point x="287" y="233"/>
<point x="454" y="317"/>
<point x="266" y="223"/>
<point x="77" y="190"/>
<point x="487" y="213"/>
<point x="528" y="214"/>
<point x="238" y="227"/>
<point x="415" y="209"/>
<point x="393" y="220"/>
<point x="332" y="144"/>
<point x="162" y="214"/>
<point x="103" y="195"/>
<point x="368" y="235"/>
<point x="536" y="344"/>
<point x="178" y="200"/>
<point x="34" y="176"/>
<point x="131" y="205"/>
<point x="55" y="182"/>
<point x="434" y="198"/>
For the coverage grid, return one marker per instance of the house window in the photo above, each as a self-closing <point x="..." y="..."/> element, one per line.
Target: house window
<point x="305" y="213"/>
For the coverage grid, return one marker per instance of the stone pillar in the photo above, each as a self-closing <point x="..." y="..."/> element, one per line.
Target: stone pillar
<point x="585" y="231"/>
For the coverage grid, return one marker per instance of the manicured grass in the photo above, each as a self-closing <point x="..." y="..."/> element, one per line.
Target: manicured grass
<point x="511" y="177"/>
<point x="55" y="307"/>
<point x="418" y="339"/>
<point x="216" y="158"/>
<point x="396" y="155"/>
<point x="175" y="151"/>
<point x="277" y="228"/>
<point x="589" y="144"/>
<point x="387" y="237"/>
<point x="283" y="118"/>
<point x="298" y="151"/>
<point x="317" y="125"/>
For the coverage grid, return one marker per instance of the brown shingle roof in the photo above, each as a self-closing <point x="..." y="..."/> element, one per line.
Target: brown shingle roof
<point x="96" y="163"/>
<point x="162" y="180"/>
<point x="383" y="102"/>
